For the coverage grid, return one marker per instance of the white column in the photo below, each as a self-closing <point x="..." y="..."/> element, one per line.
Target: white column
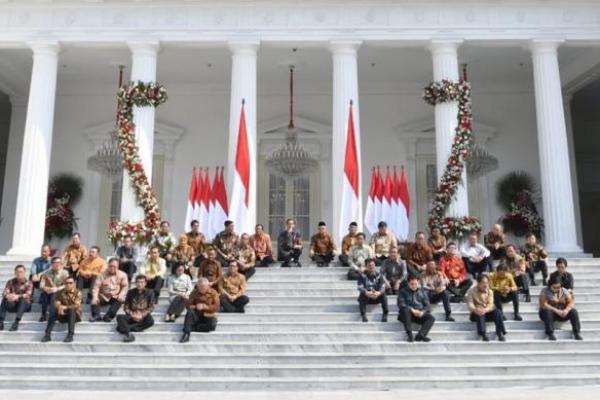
<point x="445" y="66"/>
<point x="143" y="68"/>
<point x="243" y="86"/>
<point x="28" y="233"/>
<point x="345" y="88"/>
<point x="557" y="191"/>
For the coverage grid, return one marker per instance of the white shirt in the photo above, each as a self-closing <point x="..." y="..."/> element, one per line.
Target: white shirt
<point x="478" y="250"/>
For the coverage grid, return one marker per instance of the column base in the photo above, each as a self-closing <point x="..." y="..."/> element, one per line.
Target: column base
<point x="565" y="249"/>
<point x="20" y="254"/>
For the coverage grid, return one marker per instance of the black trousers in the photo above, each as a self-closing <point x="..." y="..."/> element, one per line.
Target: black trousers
<point x="322" y="258"/>
<point x="249" y="273"/>
<point x="155" y="284"/>
<point x="265" y="262"/>
<point x="344" y="260"/>
<point x="196" y="322"/>
<point x="500" y="299"/>
<point x="495" y="316"/>
<point x="407" y="319"/>
<point x="126" y="324"/>
<point x="292" y="255"/>
<point x="353" y="274"/>
<point x="549" y="317"/>
<point x="70" y="317"/>
<point x="475" y="269"/>
<point x="523" y="283"/>
<point x="236" y="306"/>
<point x="113" y="308"/>
<point x="177" y="306"/>
<point x="86" y="283"/>
<point x="47" y="301"/>
<point x="379" y="260"/>
<point x="497" y="254"/>
<point x="129" y="268"/>
<point x="363" y="300"/>
<point x="18" y="307"/>
<point x="461" y="289"/>
<point x="435" y="298"/>
<point x="538" y="266"/>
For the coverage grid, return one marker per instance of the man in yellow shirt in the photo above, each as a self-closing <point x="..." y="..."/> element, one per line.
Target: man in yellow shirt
<point x="89" y="269"/>
<point x="505" y="290"/>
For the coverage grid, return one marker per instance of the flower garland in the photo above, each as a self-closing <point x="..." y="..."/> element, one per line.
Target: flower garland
<point x="137" y="94"/>
<point x="523" y="217"/>
<point x="442" y="92"/>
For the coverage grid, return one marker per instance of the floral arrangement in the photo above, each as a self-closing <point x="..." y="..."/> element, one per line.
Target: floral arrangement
<point x="137" y="94"/>
<point x="522" y="217"/>
<point x="442" y="92"/>
<point x="63" y="192"/>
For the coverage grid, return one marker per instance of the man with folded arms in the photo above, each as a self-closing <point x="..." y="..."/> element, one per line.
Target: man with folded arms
<point x="505" y="290"/>
<point x="89" y="269"/>
<point x="232" y="289"/>
<point x="557" y="304"/>
<point x="414" y="307"/>
<point x="453" y="266"/>
<point x="16" y="297"/>
<point x="109" y="290"/>
<point x="357" y="257"/>
<point x="371" y="286"/>
<point x="480" y="300"/>
<point x="40" y="265"/>
<point x="138" y="307"/>
<point x="202" y="306"/>
<point x="66" y="310"/>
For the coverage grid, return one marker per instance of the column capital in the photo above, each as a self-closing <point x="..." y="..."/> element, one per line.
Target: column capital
<point x="344" y="46"/>
<point x="44" y="47"/>
<point x="249" y="47"/>
<point x="437" y="46"/>
<point x="148" y="48"/>
<point x="545" y="46"/>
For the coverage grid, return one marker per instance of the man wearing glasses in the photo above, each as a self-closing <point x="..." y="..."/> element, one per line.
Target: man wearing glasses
<point x="66" y="310"/>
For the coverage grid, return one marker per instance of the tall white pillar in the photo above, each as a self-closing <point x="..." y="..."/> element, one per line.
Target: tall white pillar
<point x="143" y="68"/>
<point x="345" y="88"/>
<point x="557" y="190"/>
<point x="243" y="87"/>
<point x="28" y="233"/>
<point x="445" y="66"/>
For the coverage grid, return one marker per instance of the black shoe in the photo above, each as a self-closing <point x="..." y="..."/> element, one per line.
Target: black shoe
<point x="533" y="283"/>
<point x="106" y="318"/>
<point x="298" y="265"/>
<point x="326" y="265"/>
<point x="46" y="338"/>
<point x="129" y="338"/>
<point x="364" y="318"/>
<point x="577" y="336"/>
<point x="68" y="338"/>
<point x="500" y="337"/>
<point x="14" y="327"/>
<point x="485" y="338"/>
<point x="545" y="282"/>
<point x="551" y="337"/>
<point x="384" y="318"/>
<point x="449" y="318"/>
<point x="185" y="338"/>
<point x="285" y="265"/>
<point x="43" y="318"/>
<point x="527" y="298"/>
<point x="1" y="325"/>
<point x="409" y="337"/>
<point x="421" y="338"/>
<point x="518" y="317"/>
<point x="456" y="299"/>
<point x="503" y="317"/>
<point x="95" y="319"/>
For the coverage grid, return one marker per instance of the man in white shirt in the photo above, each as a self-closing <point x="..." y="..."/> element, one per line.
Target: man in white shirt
<point x="476" y="256"/>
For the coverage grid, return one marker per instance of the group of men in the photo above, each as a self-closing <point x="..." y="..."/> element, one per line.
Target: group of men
<point x="426" y="272"/>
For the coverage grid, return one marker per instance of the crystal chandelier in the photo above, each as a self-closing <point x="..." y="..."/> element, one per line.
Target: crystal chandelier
<point x="107" y="160"/>
<point x="291" y="160"/>
<point x="480" y="162"/>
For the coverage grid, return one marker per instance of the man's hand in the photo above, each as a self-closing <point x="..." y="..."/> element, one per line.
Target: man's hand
<point x="476" y="259"/>
<point x="480" y="311"/>
<point x="94" y="301"/>
<point x="439" y="289"/>
<point x="200" y="306"/>
<point x="35" y="278"/>
<point x="12" y="297"/>
<point x="416" y="313"/>
<point x="61" y="309"/>
<point x="397" y="285"/>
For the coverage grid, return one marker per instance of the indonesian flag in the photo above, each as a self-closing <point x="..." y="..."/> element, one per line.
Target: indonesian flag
<point x="198" y="195"/>
<point x="240" y="213"/>
<point x="404" y="205"/>
<point x="370" y="217"/>
<point x="378" y="195"/>
<point x="189" y="213"/>
<point x="350" y="209"/>
<point x="205" y="197"/>
<point x="220" y="211"/>
<point x="210" y="231"/>
<point x="395" y="221"/>
<point x="386" y="202"/>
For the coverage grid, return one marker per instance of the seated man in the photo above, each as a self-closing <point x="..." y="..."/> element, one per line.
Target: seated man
<point x="371" y="286"/>
<point x="358" y="255"/>
<point x="109" y="290"/>
<point x="180" y="287"/>
<point x="232" y="289"/>
<point x="183" y="254"/>
<point x="537" y="257"/>
<point x="322" y="246"/>
<point x="475" y="256"/>
<point x="246" y="260"/>
<point x="505" y="290"/>
<point x="197" y="240"/>
<point x="127" y="256"/>
<point x="453" y="266"/>
<point x="138" y="307"/>
<point x="39" y="265"/>
<point x="382" y="241"/>
<point x="202" y="306"/>
<point x="89" y="269"/>
<point x="418" y="255"/>
<point x="154" y="270"/>
<point x="289" y="245"/>
<point x="52" y="281"/>
<point x="435" y="284"/>
<point x="565" y="278"/>
<point x="211" y="269"/>
<point x="165" y="241"/>
<point x="413" y="306"/>
<point x="557" y="304"/>
<point x="226" y="243"/>
<point x="495" y="242"/>
<point x="262" y="245"/>
<point x="74" y="254"/>
<point x="393" y="270"/>
<point x="517" y="267"/>
<point x="480" y="301"/>
<point x="66" y="310"/>
<point x="347" y="242"/>
<point x="16" y="297"/>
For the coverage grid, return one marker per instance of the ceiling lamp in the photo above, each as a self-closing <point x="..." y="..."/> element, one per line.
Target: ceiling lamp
<point x="480" y="162"/>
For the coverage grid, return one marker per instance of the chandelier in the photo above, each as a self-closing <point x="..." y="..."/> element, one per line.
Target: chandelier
<point x="480" y="162"/>
<point x="107" y="161"/>
<point x="291" y="160"/>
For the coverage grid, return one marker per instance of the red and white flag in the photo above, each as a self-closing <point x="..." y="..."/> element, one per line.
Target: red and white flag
<point x="404" y="205"/>
<point x="386" y="201"/>
<point x="378" y="195"/>
<point x="189" y="213"/>
<point x="239" y="206"/>
<point x="350" y="208"/>
<point x="220" y="211"/>
<point x="370" y="217"/>
<point x="205" y="203"/>
<point x="198" y="195"/>
<point x="212" y="200"/>
<point x="395" y="222"/>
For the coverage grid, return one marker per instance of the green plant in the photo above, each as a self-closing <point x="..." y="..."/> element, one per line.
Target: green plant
<point x="66" y="184"/>
<point x="509" y="187"/>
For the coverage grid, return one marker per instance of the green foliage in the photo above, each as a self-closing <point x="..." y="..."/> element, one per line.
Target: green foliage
<point x="509" y="187"/>
<point x="68" y="184"/>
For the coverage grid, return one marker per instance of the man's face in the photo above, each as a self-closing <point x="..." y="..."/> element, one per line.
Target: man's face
<point x="211" y="254"/>
<point x="371" y="268"/>
<point x="353" y="229"/>
<point x="195" y="227"/>
<point x="431" y="267"/>
<point x="555" y="288"/>
<point x="501" y="273"/>
<point x="290" y="225"/>
<point x="229" y="228"/>
<point x="154" y="253"/>
<point x="45" y="251"/>
<point x="420" y="239"/>
<point x="531" y="240"/>
<point x="57" y="265"/>
<point x="360" y="240"/>
<point x="70" y="284"/>
<point x="472" y="240"/>
<point x="233" y="267"/>
<point x="382" y="230"/>
<point x="451" y="250"/>
<point x="394" y="254"/>
<point x="113" y="266"/>
<point x="510" y="252"/>
<point x="322" y="230"/>
<point x="20" y="273"/>
<point x="179" y="270"/>
<point x="140" y="284"/>
<point x="76" y="240"/>
<point x="164" y="228"/>
<point x="483" y="285"/>
<point x="245" y="240"/>
<point x="93" y="252"/>
<point x="413" y="284"/>
<point x="258" y="230"/>
<point x="202" y="286"/>
<point x="496" y="229"/>
<point x="562" y="268"/>
<point x="128" y="242"/>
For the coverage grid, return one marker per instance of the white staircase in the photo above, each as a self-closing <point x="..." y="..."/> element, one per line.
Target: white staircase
<point x="301" y="331"/>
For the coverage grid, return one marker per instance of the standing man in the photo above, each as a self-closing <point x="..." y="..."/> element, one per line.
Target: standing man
<point x="232" y="289"/>
<point x="202" y="306"/>
<point x="16" y="297"/>
<point x="347" y="242"/>
<point x="453" y="266"/>
<point x="127" y="256"/>
<point x="382" y="241"/>
<point x="39" y="265"/>
<point x="66" y="310"/>
<point x="262" y="245"/>
<point x="322" y="246"/>
<point x="505" y="290"/>
<point x="226" y="243"/>
<point x="289" y="245"/>
<point x="52" y="281"/>
<point x="476" y="256"/>
<point x="413" y="306"/>
<point x="154" y="270"/>
<point x="138" y="307"/>
<point x="371" y="288"/>
<point x="110" y="289"/>
<point x="480" y="300"/>
<point x="557" y="304"/>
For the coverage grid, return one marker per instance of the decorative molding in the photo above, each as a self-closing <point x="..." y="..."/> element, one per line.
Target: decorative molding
<point x="314" y="136"/>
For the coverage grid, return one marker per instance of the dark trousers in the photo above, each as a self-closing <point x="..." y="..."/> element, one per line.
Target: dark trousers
<point x="494" y="315"/>
<point x="523" y="283"/>
<point x="461" y="289"/>
<point x="549" y="317"/>
<point x="344" y="260"/>
<point x="322" y="258"/>
<point x="379" y="260"/>
<point x="46" y="300"/>
<point x="265" y="262"/>
<point x="70" y="317"/>
<point x="113" y="308"/>
<point x="236" y="306"/>
<point x="292" y="255"/>
<point x="363" y="300"/>
<point x="407" y="318"/>
<point x="435" y="298"/>
<point x="353" y="274"/>
<point x="249" y="273"/>
<point x="497" y="254"/>
<point x="538" y="266"/>
<point x="155" y="284"/>
<point x="500" y="299"/>
<point x="126" y="324"/>
<point x="177" y="306"/>
<point x="18" y="307"/>
<point x="475" y="269"/>
<point x="129" y="268"/>
<point x="86" y="283"/>
<point x="196" y="322"/>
